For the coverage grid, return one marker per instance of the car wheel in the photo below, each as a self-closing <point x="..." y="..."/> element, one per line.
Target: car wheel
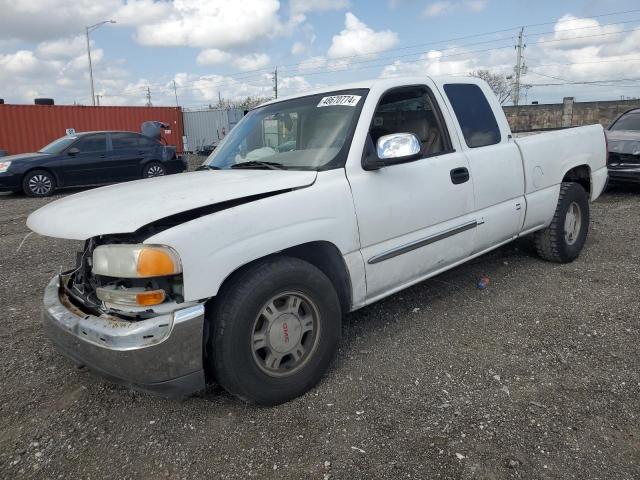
<point x="563" y="239"/>
<point x="276" y="327"/>
<point x="154" y="169"/>
<point x="38" y="183"/>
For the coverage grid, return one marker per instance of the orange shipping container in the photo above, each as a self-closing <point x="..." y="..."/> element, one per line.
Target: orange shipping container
<point x="27" y="128"/>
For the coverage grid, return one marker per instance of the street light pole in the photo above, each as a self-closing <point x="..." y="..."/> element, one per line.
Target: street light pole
<point x="88" y="30"/>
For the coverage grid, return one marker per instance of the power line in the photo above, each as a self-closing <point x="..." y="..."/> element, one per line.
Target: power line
<point x="246" y="74"/>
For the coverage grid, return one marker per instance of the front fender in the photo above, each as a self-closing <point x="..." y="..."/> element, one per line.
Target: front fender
<point x="214" y="246"/>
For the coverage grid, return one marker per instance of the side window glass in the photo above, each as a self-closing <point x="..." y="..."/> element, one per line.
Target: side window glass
<point x="121" y="141"/>
<point x="92" y="143"/>
<point x="409" y="110"/>
<point x="476" y="118"/>
<point x="146" y="142"/>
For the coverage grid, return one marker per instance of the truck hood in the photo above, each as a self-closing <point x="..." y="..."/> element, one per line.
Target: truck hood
<point x="126" y="207"/>
<point x="624" y="141"/>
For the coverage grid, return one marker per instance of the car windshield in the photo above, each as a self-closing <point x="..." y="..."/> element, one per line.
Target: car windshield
<point x="306" y="133"/>
<point x="57" y="146"/>
<point x="630" y="121"/>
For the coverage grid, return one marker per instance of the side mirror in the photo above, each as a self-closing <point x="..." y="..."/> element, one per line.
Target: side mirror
<point x="391" y="149"/>
<point x="73" y="151"/>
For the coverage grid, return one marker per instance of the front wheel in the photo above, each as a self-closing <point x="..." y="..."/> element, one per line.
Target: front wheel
<point x="276" y="327"/>
<point x="563" y="239"/>
<point x="154" y="169"/>
<point x="38" y="183"/>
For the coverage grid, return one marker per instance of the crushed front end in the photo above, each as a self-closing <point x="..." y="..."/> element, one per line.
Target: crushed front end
<point x="136" y="331"/>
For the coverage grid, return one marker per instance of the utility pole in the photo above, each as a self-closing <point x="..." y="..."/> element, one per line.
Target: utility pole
<point x="275" y="82"/>
<point x="520" y="68"/>
<point x="88" y="30"/>
<point x="219" y="99"/>
<point x="175" y="91"/>
<point x="149" y="104"/>
<point x="98" y="99"/>
<point x="93" y="95"/>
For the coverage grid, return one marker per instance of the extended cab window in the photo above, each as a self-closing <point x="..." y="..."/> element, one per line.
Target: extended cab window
<point x="410" y="110"/>
<point x="478" y="123"/>
<point x="92" y="143"/>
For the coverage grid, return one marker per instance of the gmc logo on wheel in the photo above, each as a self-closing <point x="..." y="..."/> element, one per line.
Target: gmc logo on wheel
<point x="285" y="332"/>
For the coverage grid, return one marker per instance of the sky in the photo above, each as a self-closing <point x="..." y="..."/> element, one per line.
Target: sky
<point x="229" y="49"/>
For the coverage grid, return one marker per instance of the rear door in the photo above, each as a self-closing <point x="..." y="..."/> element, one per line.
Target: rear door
<point x="90" y="165"/>
<point x="494" y="160"/>
<point x="126" y="156"/>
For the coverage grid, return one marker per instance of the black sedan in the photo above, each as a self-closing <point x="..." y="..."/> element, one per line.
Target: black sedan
<point x="623" y="139"/>
<point x="88" y="158"/>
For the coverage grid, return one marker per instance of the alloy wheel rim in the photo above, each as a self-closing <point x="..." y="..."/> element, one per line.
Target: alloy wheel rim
<point x="40" y="184"/>
<point x="572" y="223"/>
<point x="155" y="171"/>
<point x="285" y="334"/>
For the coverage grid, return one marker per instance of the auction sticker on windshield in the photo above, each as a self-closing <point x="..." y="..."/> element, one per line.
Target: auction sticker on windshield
<point x="341" y="100"/>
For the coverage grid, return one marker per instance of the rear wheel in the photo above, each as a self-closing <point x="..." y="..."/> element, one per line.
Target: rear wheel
<point x="38" y="183"/>
<point x="154" y="169"/>
<point x="563" y="239"/>
<point x="276" y="327"/>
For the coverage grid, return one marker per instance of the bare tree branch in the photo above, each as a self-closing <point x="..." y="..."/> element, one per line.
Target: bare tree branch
<point x="499" y="83"/>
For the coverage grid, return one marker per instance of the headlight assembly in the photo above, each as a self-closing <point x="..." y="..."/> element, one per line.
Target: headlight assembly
<point x="135" y="261"/>
<point x="4" y="166"/>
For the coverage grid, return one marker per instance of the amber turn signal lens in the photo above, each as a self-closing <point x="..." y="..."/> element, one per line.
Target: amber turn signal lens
<point x="155" y="262"/>
<point x="152" y="297"/>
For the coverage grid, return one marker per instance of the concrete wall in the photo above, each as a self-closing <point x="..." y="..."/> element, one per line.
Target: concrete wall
<point x="566" y="114"/>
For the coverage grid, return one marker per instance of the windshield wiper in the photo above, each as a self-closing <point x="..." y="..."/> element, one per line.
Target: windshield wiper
<point x="259" y="164"/>
<point x="208" y="167"/>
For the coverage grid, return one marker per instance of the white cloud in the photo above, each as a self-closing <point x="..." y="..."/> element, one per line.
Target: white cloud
<point x="297" y="48"/>
<point x="312" y="63"/>
<point x="253" y="61"/>
<point x="212" y="56"/>
<point x="20" y="63"/>
<point x="303" y="6"/>
<point x="437" y="8"/>
<point x="63" y="48"/>
<point x="476" y="5"/>
<point x="359" y="39"/>
<point x="443" y="7"/>
<point x="213" y="24"/>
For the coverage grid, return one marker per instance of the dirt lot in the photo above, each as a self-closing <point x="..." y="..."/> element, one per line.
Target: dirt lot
<point x="538" y="376"/>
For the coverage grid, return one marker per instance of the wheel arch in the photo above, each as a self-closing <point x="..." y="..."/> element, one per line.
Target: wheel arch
<point x="323" y="255"/>
<point x="44" y="169"/>
<point x="580" y="174"/>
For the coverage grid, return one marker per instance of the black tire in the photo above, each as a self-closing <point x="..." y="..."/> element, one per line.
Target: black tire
<point x="154" y="169"/>
<point x="38" y="183"/>
<point x="554" y="243"/>
<point x="231" y="353"/>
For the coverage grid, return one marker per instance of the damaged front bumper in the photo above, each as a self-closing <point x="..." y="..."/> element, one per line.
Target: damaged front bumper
<point x="162" y="354"/>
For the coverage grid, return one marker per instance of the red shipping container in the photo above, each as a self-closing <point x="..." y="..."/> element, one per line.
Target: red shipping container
<point x="28" y="128"/>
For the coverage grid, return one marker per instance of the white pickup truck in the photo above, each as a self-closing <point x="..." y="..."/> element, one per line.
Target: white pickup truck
<point x="313" y="206"/>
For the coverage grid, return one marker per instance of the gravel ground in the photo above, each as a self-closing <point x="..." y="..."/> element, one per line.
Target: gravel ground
<point x="537" y="376"/>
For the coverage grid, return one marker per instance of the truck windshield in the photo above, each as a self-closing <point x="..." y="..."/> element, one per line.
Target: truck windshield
<point x="57" y="146"/>
<point x="306" y="133"/>
<point x="630" y="121"/>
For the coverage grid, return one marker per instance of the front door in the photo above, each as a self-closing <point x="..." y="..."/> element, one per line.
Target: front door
<point x="89" y="165"/>
<point x="414" y="218"/>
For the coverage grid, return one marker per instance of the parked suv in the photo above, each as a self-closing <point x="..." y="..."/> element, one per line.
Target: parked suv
<point x="88" y="158"/>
